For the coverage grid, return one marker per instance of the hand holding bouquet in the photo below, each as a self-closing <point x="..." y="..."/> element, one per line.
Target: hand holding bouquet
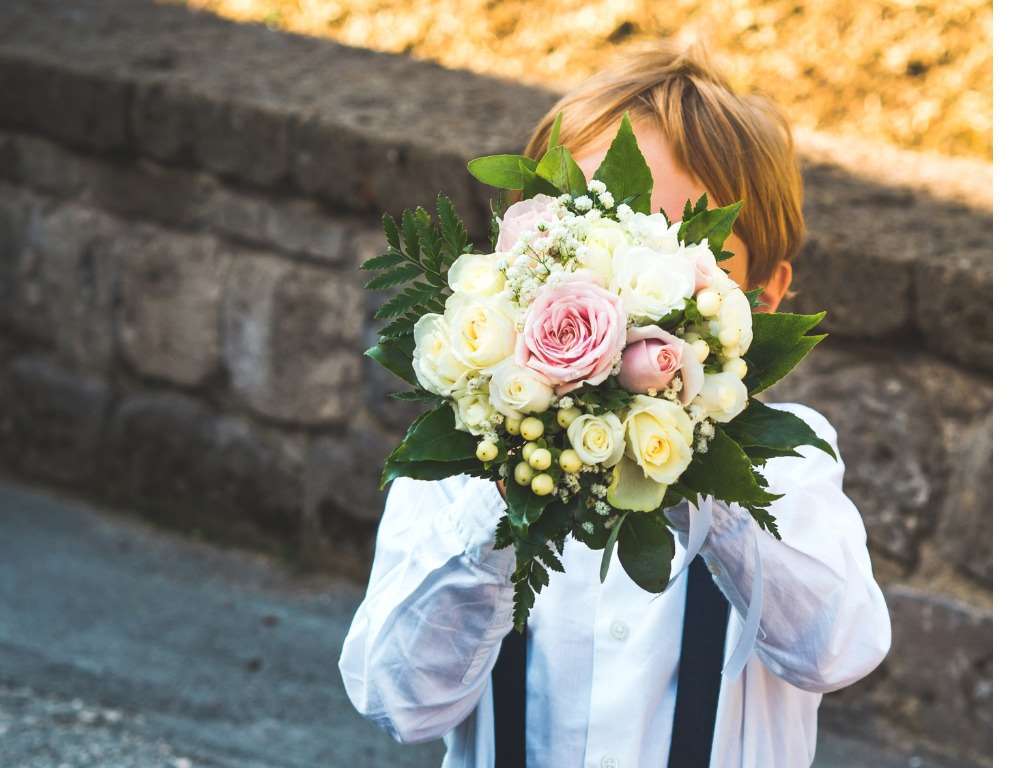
<point x="598" y="360"/>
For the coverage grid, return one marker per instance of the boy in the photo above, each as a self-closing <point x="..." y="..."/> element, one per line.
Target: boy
<point x="607" y="676"/>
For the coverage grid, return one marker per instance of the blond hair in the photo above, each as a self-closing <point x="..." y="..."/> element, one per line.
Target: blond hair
<point x="738" y="147"/>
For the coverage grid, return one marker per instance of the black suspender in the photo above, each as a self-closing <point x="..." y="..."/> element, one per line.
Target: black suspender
<point x="700" y="670"/>
<point x="703" y="651"/>
<point x="508" y="682"/>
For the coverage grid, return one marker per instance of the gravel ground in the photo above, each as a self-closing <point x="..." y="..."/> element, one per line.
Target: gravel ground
<point x="122" y="646"/>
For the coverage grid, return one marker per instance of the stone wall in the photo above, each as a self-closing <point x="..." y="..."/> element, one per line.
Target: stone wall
<point x="184" y="204"/>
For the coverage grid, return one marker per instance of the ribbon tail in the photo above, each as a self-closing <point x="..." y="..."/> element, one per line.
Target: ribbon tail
<point x="745" y="646"/>
<point x="700" y="525"/>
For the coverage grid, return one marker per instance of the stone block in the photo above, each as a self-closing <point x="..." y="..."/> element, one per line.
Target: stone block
<point x="43" y="165"/>
<point x="965" y="533"/>
<point x="54" y="420"/>
<point x="174" y="458"/>
<point x="858" y="303"/>
<point x="953" y="310"/>
<point x="168" y="322"/>
<point x="15" y="211"/>
<point x="890" y="438"/>
<point x="299" y="227"/>
<point x="77" y="106"/>
<point x="76" y="274"/>
<point x="289" y="336"/>
<point x="937" y="679"/>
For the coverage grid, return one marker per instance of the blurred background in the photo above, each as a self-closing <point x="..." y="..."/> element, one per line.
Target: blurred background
<point x="190" y="438"/>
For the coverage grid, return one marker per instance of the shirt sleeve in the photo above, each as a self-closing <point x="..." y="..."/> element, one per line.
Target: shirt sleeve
<point x="438" y="604"/>
<point x="824" y="624"/>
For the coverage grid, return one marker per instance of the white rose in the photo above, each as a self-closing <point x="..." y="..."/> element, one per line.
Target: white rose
<point x="651" y="284"/>
<point x="601" y="238"/>
<point x="736" y="320"/>
<point x="654" y="231"/>
<point x="436" y="368"/>
<point x="482" y="330"/>
<point x="659" y="436"/>
<point x="476" y="274"/>
<point x="598" y="439"/>
<point x="474" y="412"/>
<point x="516" y="390"/>
<point x="723" y="396"/>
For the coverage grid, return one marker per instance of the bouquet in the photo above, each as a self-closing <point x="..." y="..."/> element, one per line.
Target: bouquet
<point x="596" y="359"/>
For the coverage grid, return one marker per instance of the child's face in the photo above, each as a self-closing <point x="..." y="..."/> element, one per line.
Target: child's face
<point x="672" y="185"/>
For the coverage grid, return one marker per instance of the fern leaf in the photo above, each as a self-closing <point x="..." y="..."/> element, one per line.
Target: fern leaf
<point x="411" y="297"/>
<point x="394" y="277"/>
<point x="550" y="559"/>
<point x="410" y="236"/>
<point x="391" y="233"/>
<point x="453" y="231"/>
<point x="391" y="258"/>
<point x="402" y="326"/>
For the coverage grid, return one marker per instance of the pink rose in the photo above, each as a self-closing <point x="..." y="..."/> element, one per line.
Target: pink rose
<point x="523" y="217"/>
<point x="706" y="268"/>
<point x="651" y="359"/>
<point x="572" y="333"/>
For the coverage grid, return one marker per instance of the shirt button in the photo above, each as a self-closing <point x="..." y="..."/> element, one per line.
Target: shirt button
<point x="619" y="631"/>
<point x="609" y="762"/>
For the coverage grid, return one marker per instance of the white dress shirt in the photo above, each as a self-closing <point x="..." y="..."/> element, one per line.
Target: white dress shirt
<point x="602" y="659"/>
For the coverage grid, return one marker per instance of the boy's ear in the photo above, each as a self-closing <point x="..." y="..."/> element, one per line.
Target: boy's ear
<point x="776" y="287"/>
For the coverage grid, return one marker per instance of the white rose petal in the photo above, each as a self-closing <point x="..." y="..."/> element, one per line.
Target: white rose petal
<point x="515" y="390"/>
<point x="598" y="439"/>
<point x="722" y="398"/>
<point x="735" y="318"/>
<point x="651" y="283"/>
<point x="482" y="330"/>
<point x="659" y="438"/>
<point x="436" y="368"/>
<point x="476" y="274"/>
<point x="474" y="412"/>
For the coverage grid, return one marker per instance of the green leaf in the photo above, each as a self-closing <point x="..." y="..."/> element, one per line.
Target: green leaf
<point x="764" y="427"/>
<point x="394" y="277"/>
<point x="550" y="559"/>
<point x="401" y="326"/>
<point x="671" y="321"/>
<point x="714" y="224"/>
<point x="558" y="167"/>
<point x="391" y="233"/>
<point x="726" y="473"/>
<point x="606" y="559"/>
<point x="396" y="356"/>
<point x="502" y="171"/>
<point x="384" y="261"/>
<point x="415" y="396"/>
<point x="556" y="129"/>
<point x="522" y="602"/>
<point x="624" y="169"/>
<point x="646" y="548"/>
<point x="779" y="344"/>
<point x="759" y="456"/>
<point x="433" y="437"/>
<point x="534" y="185"/>
<point x="754" y="297"/>
<point x="524" y="506"/>
<point x="410" y="298"/>
<point x="410" y="234"/>
<point x="429" y="470"/>
<point x="453" y="231"/>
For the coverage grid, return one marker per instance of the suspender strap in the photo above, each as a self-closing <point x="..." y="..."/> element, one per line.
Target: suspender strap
<point x="700" y="679"/>
<point x="700" y="670"/>
<point x="508" y="683"/>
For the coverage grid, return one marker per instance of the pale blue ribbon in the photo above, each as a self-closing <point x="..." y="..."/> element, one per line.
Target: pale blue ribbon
<point x="700" y="526"/>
